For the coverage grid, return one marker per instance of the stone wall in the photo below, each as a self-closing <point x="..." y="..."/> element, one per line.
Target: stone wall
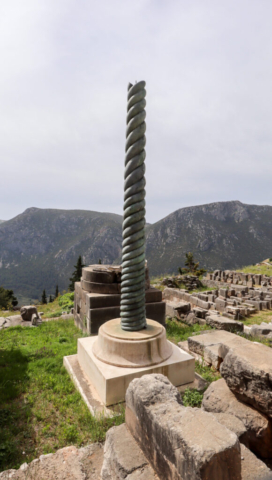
<point x="239" y="278"/>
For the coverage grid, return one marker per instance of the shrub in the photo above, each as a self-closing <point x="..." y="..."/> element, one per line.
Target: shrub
<point x="67" y="300"/>
<point x="192" y="398"/>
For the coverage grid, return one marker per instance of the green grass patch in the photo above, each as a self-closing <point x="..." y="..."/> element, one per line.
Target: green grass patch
<point x="208" y="373"/>
<point x="257" y="269"/>
<point x="41" y="411"/>
<point x="178" y="332"/>
<point x="258" y="317"/>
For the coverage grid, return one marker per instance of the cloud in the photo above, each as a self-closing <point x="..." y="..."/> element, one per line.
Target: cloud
<point x="66" y="66"/>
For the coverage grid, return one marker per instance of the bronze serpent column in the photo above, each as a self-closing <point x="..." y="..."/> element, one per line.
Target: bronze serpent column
<point x="133" y="316"/>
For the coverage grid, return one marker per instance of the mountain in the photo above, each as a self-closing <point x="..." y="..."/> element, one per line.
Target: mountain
<point x="39" y="248"/>
<point x="223" y="235"/>
<point x="2" y="221"/>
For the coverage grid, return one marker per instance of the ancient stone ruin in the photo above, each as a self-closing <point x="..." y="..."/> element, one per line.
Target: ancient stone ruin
<point x="222" y="308"/>
<point x="98" y="296"/>
<point x="238" y="278"/>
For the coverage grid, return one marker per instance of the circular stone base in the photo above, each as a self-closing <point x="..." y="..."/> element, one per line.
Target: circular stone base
<point x="142" y="348"/>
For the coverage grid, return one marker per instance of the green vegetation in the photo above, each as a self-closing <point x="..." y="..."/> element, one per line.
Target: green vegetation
<point x="7" y="299"/>
<point x="192" y="267"/>
<point x="258" y="318"/>
<point x="257" y="269"/>
<point x="41" y="411"/>
<point x="77" y="274"/>
<point x="192" y="398"/>
<point x="208" y="373"/>
<point x="44" y="299"/>
<point x="178" y="332"/>
<point x="66" y="301"/>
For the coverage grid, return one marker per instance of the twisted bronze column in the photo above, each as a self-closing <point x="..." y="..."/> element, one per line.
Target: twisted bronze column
<point x="133" y="250"/>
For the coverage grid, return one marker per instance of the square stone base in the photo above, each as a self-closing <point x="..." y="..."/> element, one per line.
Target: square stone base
<point x="111" y="382"/>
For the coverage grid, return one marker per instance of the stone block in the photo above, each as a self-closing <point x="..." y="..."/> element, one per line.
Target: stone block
<point x="111" y="382"/>
<point x="123" y="458"/>
<point x="223" y="323"/>
<point x="176" y="309"/>
<point x="256" y="429"/>
<point x="248" y="373"/>
<point x="27" y="312"/>
<point x="255" y="303"/>
<point x="211" y="356"/>
<point x="96" y="300"/>
<point x="252" y="467"/>
<point x="263" y="329"/>
<point x="107" y="288"/>
<point x="179" y="442"/>
<point x="198" y="343"/>
<point x="220" y="304"/>
<point x="97" y="316"/>
<point x="223" y="292"/>
<point x="68" y="463"/>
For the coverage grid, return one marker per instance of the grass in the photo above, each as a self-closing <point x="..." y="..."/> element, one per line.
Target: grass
<point x="178" y="332"/>
<point x="257" y="269"/>
<point x="259" y="317"/>
<point x="54" y="309"/>
<point x="41" y="411"/>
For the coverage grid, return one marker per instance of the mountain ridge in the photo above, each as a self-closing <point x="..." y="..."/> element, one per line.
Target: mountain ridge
<point x="39" y="247"/>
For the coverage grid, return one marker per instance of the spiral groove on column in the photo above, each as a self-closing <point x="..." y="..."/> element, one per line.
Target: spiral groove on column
<point x="133" y="248"/>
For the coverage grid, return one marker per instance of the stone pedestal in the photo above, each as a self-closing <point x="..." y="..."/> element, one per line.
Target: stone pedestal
<point x="98" y="295"/>
<point x="115" y="357"/>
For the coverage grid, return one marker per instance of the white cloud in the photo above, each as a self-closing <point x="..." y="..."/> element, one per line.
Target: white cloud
<point x="65" y="70"/>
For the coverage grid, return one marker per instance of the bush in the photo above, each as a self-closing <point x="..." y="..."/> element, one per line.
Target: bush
<point x="67" y="300"/>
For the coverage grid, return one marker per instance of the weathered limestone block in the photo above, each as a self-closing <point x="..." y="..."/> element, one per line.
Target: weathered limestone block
<point x="263" y="329"/>
<point x="123" y="458"/>
<point x="27" y="312"/>
<point x="252" y="467"/>
<point x="220" y="304"/>
<point x="248" y="373"/>
<point x="176" y="309"/>
<point x="224" y="323"/>
<point x="179" y="442"/>
<point x="211" y="356"/>
<point x="69" y="463"/>
<point x="253" y="428"/>
<point x="198" y="343"/>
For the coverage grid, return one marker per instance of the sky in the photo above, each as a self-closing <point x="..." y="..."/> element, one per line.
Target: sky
<point x="65" y="67"/>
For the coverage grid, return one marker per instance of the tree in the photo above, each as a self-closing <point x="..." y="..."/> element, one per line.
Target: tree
<point x="57" y="291"/>
<point x="44" y="299"/>
<point x="192" y="267"/>
<point x="99" y="261"/>
<point x="50" y="299"/>
<point x="76" y="276"/>
<point x="7" y="299"/>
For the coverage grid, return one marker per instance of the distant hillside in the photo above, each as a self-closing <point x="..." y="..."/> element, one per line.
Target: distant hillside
<point x="39" y="248"/>
<point x="224" y="235"/>
<point x="2" y="221"/>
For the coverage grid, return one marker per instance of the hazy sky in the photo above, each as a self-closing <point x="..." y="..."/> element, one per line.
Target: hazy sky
<point x="65" y="66"/>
